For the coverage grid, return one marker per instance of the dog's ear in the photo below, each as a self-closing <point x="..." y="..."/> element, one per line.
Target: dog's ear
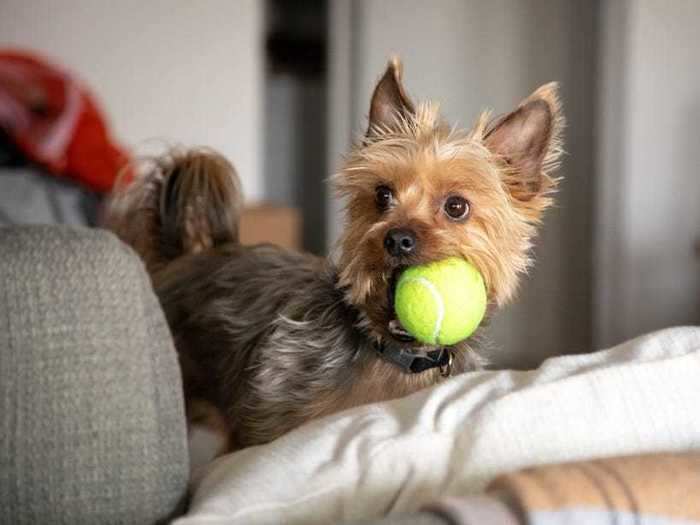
<point x="528" y="141"/>
<point x="389" y="101"/>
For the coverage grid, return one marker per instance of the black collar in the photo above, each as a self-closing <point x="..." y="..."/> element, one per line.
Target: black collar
<point x="414" y="363"/>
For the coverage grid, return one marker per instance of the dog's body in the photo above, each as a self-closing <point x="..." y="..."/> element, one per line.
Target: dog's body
<point x="268" y="338"/>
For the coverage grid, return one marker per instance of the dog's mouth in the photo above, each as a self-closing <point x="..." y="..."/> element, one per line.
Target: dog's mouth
<point x="394" y="327"/>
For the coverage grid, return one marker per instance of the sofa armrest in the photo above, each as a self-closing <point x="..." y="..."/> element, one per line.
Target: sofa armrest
<point x="91" y="403"/>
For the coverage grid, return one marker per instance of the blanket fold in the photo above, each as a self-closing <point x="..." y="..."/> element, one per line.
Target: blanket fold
<point x="649" y="489"/>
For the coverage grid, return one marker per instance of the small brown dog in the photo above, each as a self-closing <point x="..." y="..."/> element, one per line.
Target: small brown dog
<point x="268" y="338"/>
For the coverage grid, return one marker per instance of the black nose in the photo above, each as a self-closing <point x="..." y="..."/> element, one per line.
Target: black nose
<point x="400" y="241"/>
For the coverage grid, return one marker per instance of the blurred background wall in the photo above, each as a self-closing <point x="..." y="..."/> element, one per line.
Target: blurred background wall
<point x="283" y="87"/>
<point x="166" y="71"/>
<point x="647" y="214"/>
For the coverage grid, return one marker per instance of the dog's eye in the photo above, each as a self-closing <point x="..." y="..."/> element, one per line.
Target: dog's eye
<point x="456" y="207"/>
<point x="384" y="197"/>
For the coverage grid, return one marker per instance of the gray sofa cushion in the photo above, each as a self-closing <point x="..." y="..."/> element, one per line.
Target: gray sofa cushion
<point x="93" y="427"/>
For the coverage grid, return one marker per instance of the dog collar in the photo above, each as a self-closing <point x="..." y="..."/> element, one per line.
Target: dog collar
<point x="413" y="363"/>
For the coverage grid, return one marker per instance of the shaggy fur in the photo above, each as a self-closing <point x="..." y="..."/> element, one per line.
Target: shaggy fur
<point x="268" y="338"/>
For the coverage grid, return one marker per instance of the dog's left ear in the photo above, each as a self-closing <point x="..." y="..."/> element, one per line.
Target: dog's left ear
<point x="528" y="141"/>
<point x="389" y="101"/>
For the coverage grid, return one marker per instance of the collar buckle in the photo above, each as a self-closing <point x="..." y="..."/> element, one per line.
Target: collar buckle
<point x="446" y="369"/>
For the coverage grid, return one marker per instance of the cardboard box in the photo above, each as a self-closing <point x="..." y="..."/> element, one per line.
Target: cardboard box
<point x="270" y="223"/>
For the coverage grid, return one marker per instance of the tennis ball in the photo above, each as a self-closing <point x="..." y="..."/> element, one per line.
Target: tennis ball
<point x="441" y="302"/>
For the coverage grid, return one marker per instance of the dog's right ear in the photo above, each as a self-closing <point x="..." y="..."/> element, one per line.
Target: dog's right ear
<point x="390" y="102"/>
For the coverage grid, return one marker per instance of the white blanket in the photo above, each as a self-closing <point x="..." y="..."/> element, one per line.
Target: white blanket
<point x="641" y="396"/>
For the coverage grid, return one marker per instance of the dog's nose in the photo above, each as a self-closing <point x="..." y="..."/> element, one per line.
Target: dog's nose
<point x="400" y="241"/>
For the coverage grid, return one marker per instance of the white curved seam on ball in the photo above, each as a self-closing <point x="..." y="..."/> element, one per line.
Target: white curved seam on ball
<point x="438" y="300"/>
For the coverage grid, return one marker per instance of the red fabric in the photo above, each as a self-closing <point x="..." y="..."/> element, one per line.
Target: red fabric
<point x="55" y="121"/>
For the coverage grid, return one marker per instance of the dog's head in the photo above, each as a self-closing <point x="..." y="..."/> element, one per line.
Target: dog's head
<point x="418" y="191"/>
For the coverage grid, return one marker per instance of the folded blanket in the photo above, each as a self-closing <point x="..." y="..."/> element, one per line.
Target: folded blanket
<point x="650" y="489"/>
<point x="454" y="439"/>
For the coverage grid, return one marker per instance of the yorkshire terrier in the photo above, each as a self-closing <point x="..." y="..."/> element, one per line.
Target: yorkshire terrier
<point x="270" y="338"/>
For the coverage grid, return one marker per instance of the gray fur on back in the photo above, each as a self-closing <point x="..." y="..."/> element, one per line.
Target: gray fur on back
<point x="272" y="326"/>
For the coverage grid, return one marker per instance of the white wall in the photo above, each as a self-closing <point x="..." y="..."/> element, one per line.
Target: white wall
<point x="177" y="71"/>
<point x="648" y="273"/>
<point x="472" y="55"/>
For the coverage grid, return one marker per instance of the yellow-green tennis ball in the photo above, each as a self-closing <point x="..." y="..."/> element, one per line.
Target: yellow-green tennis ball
<point x="441" y="303"/>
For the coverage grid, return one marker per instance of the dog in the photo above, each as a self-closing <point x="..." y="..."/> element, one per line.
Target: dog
<point x="269" y="338"/>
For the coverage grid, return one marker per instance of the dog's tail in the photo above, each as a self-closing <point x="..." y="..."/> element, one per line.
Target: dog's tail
<point x="180" y="203"/>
